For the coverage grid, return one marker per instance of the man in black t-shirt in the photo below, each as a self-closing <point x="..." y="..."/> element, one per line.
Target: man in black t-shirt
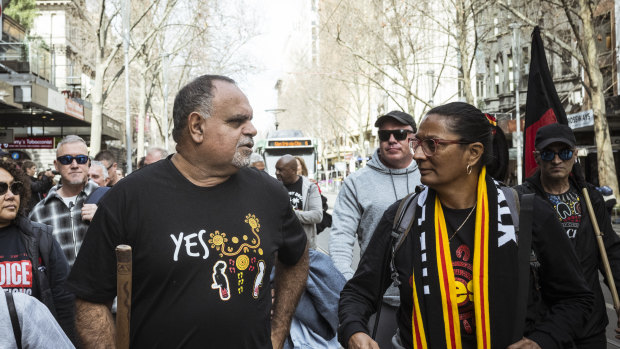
<point x="206" y="231"/>
<point x="556" y="182"/>
<point x="303" y="194"/>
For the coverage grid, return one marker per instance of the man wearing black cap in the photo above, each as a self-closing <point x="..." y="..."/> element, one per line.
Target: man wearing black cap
<point x="555" y="181"/>
<point x="390" y="175"/>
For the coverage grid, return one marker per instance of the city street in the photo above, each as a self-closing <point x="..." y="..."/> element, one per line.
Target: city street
<point x="612" y="342"/>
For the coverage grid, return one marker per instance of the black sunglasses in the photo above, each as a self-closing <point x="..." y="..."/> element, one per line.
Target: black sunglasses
<point x="68" y="159"/>
<point x="17" y="188"/>
<point x="549" y="155"/>
<point x="399" y="135"/>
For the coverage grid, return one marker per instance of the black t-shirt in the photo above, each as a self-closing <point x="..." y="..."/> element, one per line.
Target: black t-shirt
<point x="568" y="209"/>
<point x="295" y="195"/>
<point x="461" y="248"/>
<point x="201" y="256"/>
<point x="15" y="266"/>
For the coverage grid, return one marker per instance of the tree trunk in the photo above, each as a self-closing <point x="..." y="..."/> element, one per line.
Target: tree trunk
<point x="604" y="155"/>
<point x="97" y="102"/>
<point x="464" y="58"/>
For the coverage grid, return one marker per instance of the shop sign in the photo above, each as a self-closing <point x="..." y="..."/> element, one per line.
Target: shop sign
<point x="74" y="108"/>
<point x="30" y="143"/>
<point x="581" y="119"/>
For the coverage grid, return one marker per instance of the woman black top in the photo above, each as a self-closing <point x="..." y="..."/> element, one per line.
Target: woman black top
<point x="458" y="265"/>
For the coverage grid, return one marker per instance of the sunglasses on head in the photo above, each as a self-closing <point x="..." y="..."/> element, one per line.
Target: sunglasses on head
<point x="399" y="135"/>
<point x="549" y="155"/>
<point x="17" y="188"/>
<point x="68" y="159"/>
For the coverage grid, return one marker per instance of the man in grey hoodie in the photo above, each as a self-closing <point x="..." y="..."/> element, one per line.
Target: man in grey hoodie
<point x="389" y="176"/>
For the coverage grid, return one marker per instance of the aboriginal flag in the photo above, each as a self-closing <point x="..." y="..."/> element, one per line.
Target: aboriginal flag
<point x="543" y="105"/>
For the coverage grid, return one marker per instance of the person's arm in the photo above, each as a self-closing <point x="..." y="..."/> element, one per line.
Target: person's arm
<point x="562" y="283"/>
<point x="361" y="295"/>
<point x="314" y="214"/>
<point x="39" y="328"/>
<point x="345" y="221"/>
<point x="94" y="324"/>
<point x="289" y="284"/>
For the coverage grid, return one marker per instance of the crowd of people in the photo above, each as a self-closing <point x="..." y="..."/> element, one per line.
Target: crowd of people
<point x="225" y="255"/>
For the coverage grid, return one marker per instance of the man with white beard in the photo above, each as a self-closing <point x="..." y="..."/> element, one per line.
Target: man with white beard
<point x="204" y="228"/>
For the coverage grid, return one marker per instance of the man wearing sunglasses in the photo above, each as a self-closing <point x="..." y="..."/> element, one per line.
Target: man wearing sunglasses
<point x="557" y="182"/>
<point x="390" y="175"/>
<point x="64" y="206"/>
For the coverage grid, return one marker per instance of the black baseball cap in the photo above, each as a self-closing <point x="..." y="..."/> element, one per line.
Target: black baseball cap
<point x="554" y="133"/>
<point x="399" y="116"/>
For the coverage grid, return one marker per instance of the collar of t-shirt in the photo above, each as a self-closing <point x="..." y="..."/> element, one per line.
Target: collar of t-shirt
<point x="69" y="201"/>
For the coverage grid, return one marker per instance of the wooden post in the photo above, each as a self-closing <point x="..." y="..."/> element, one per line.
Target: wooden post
<point x="601" y="247"/>
<point x="123" y="290"/>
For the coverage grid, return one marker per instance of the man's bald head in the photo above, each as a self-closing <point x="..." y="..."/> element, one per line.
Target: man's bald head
<point x="286" y="169"/>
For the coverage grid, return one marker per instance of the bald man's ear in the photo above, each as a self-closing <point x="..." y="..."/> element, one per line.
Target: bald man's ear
<point x="196" y="127"/>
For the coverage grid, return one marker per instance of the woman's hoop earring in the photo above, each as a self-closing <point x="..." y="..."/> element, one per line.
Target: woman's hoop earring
<point x="468" y="169"/>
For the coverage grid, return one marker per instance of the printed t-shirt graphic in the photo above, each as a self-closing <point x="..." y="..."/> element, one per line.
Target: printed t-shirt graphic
<point x="15" y="266"/>
<point x="568" y="208"/>
<point x="462" y="265"/>
<point x="294" y="192"/>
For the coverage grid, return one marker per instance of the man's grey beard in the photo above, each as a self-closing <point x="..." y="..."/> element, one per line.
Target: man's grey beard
<point x="239" y="159"/>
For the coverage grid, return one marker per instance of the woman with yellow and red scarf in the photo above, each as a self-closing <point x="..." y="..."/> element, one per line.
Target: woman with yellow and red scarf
<point x="457" y="266"/>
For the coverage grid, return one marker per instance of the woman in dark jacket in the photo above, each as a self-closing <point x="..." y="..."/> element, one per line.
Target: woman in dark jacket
<point x="457" y="266"/>
<point x="31" y="261"/>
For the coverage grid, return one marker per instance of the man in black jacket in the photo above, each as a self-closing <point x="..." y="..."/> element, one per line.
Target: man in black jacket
<point x="556" y="182"/>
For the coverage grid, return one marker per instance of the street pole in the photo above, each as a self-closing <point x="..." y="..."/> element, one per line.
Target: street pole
<point x="165" y="78"/>
<point x="516" y="49"/>
<point x="128" y="136"/>
<point x="617" y="27"/>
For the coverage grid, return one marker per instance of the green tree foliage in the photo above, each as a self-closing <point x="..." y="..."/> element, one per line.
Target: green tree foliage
<point x="23" y="11"/>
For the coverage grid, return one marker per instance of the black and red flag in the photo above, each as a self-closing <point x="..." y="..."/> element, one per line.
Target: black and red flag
<point x="543" y="105"/>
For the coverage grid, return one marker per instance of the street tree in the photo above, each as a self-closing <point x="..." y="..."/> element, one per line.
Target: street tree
<point x="580" y="14"/>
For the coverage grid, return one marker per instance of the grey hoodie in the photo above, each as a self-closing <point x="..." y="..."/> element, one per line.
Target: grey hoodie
<point x="361" y="202"/>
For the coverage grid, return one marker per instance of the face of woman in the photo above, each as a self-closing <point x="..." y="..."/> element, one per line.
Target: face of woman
<point x="449" y="162"/>
<point x="9" y="202"/>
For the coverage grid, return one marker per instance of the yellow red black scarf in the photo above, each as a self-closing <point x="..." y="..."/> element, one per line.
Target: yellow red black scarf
<point x="446" y="281"/>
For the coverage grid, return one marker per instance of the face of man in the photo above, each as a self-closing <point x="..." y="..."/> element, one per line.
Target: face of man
<point x="556" y="169"/>
<point x="113" y="178"/>
<point x="228" y="132"/>
<point x="73" y="173"/>
<point x="96" y="174"/>
<point x="286" y="170"/>
<point x="395" y="153"/>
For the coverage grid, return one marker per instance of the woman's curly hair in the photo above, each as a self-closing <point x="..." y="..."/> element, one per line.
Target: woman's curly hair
<point x="18" y="176"/>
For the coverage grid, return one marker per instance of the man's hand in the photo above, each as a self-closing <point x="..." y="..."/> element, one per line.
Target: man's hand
<point x="361" y="340"/>
<point x="524" y="344"/>
<point x="88" y="212"/>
